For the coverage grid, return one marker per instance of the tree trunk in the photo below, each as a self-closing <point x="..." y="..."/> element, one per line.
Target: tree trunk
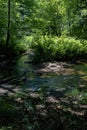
<point x="8" y="25"/>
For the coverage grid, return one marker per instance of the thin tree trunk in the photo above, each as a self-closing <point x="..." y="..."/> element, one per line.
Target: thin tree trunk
<point x="8" y="25"/>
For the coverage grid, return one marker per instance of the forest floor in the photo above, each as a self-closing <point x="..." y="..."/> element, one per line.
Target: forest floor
<point x="47" y="110"/>
<point x="51" y="111"/>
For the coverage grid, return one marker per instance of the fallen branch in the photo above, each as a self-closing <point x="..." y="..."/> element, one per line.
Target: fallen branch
<point x="8" y="87"/>
<point x="7" y="79"/>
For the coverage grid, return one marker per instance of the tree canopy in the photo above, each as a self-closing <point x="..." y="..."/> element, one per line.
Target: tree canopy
<point x="21" y="18"/>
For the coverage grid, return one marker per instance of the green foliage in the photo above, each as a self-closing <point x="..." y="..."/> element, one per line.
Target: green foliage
<point x="54" y="48"/>
<point x="76" y="18"/>
<point x="3" y="20"/>
<point x="74" y="93"/>
<point x="55" y="30"/>
<point x="6" y="128"/>
<point x="53" y="17"/>
<point x="84" y="99"/>
<point x="42" y="47"/>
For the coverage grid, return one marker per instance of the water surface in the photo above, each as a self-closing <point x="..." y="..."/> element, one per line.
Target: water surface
<point x="72" y="77"/>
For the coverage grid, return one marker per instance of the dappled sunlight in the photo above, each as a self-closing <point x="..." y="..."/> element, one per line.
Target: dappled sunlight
<point x="43" y="65"/>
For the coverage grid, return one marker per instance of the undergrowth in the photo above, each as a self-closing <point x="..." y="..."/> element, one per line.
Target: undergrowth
<point x="26" y="113"/>
<point x="48" y="48"/>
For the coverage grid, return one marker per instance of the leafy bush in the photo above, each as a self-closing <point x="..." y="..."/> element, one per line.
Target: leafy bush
<point x="58" y="48"/>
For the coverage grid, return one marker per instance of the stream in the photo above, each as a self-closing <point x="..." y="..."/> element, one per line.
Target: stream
<point x="70" y="79"/>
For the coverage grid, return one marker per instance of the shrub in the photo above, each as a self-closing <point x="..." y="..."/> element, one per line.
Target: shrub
<point x="58" y="48"/>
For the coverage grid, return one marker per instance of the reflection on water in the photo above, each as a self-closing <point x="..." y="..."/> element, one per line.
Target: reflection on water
<point x="67" y="79"/>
